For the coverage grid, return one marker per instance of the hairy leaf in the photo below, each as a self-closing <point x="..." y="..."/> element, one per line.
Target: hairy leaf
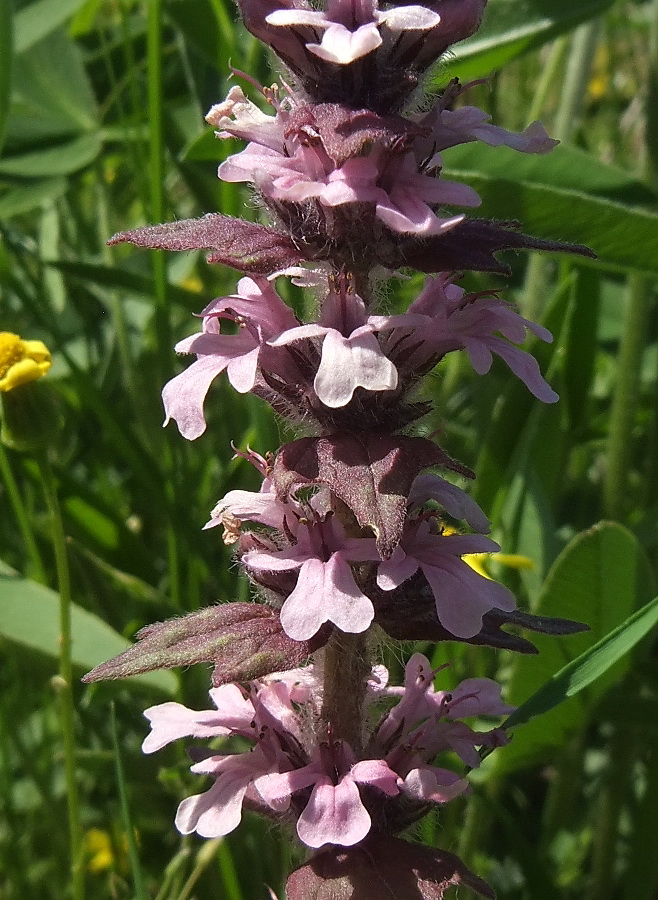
<point x="382" y="866"/>
<point x="370" y="472"/>
<point x="243" y="640"/>
<point x="245" y="246"/>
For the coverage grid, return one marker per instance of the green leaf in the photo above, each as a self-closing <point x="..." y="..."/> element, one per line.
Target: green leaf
<point x="25" y="198"/>
<point x="6" y="57"/>
<point x="512" y="27"/>
<point x="589" y="666"/>
<point x="210" y="36"/>
<point x="580" y="348"/>
<point x="129" y="829"/>
<point x="133" y="282"/>
<point x="566" y="195"/>
<point x="60" y="160"/>
<point x="29" y="615"/>
<point x="599" y="578"/>
<point x="52" y="93"/>
<point x="39" y="19"/>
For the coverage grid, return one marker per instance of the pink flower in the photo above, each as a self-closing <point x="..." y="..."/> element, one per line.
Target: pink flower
<point x="419" y="700"/>
<point x="424" y="724"/>
<point x="266" y="713"/>
<point x="351" y="355"/>
<point x="293" y="161"/>
<point x="279" y="716"/>
<point x="450" y="127"/>
<point x="335" y="813"/>
<point x="351" y="30"/>
<point x="462" y="596"/>
<point x="433" y="785"/>
<point x="407" y="195"/>
<point x="263" y="507"/>
<point x="238" y="117"/>
<point x="326" y="590"/>
<point x="171" y="721"/>
<point x="261" y="315"/>
<point x="456" y="503"/>
<point x="355" y="53"/>
<point x="218" y="811"/>
<point x="444" y="318"/>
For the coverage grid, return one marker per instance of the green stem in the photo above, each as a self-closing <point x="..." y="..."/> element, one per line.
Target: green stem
<point x="624" y="401"/>
<point x="651" y="106"/>
<point x="65" y="681"/>
<point x="548" y="74"/>
<point x="37" y="570"/>
<point x="561" y="797"/>
<point x="133" y="854"/>
<point x="162" y="322"/>
<point x="156" y="171"/>
<point x="477" y="820"/>
<point x="602" y="882"/>
<point x="574" y="87"/>
<point x="579" y="63"/>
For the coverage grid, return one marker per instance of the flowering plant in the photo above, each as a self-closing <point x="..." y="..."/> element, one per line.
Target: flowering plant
<point x="351" y="535"/>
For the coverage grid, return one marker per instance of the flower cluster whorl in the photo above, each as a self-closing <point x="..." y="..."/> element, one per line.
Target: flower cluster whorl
<point x="294" y="750"/>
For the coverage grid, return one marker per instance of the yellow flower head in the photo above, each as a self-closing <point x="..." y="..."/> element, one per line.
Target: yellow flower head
<point x="104" y="852"/>
<point x="21" y="361"/>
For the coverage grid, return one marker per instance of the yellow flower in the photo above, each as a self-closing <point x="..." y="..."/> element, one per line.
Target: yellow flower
<point x="99" y="847"/>
<point x="476" y="560"/>
<point x="513" y="560"/>
<point x="21" y="361"/>
<point x="103" y="853"/>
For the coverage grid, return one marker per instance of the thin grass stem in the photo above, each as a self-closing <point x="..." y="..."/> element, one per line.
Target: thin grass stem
<point x="36" y="570"/>
<point x="138" y="879"/>
<point x="65" y="681"/>
<point x="579" y="64"/>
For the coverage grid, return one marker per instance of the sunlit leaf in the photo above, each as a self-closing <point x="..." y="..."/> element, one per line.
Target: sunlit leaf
<point x="39" y="19"/>
<point x="599" y="578"/>
<point x="512" y="27"/>
<point x="29" y="615"/>
<point x="52" y="93"/>
<point x="567" y="193"/>
<point x="587" y="667"/>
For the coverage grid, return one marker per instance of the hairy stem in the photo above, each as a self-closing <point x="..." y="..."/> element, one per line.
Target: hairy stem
<point x="346" y="670"/>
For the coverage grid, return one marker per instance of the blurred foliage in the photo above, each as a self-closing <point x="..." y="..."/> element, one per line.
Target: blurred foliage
<point x="97" y="97"/>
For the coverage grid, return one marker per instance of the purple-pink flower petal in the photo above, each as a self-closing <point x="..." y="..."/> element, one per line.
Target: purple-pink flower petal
<point x="218" y="811"/>
<point x="325" y="592"/>
<point x="335" y="814"/>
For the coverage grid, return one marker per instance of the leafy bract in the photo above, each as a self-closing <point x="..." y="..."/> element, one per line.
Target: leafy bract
<point x="370" y="472"/>
<point x="243" y="640"/>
